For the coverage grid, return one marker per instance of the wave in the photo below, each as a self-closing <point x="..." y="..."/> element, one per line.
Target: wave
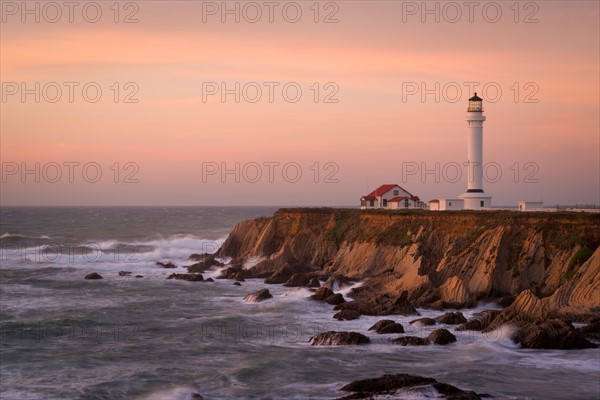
<point x="15" y="236"/>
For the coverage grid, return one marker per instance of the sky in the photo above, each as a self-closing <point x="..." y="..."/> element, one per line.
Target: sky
<point x="295" y="103"/>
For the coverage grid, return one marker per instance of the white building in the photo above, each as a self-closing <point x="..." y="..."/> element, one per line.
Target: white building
<point x="531" y="206"/>
<point x="392" y="197"/>
<point x="446" y="204"/>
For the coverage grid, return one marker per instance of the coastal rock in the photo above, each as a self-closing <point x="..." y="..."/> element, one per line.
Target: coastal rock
<point x="231" y="273"/>
<point x="124" y="273"/>
<point x="209" y="280"/>
<point x="139" y="276"/>
<point x="314" y="283"/>
<point x="479" y="321"/>
<point x="551" y="334"/>
<point x="411" y="341"/>
<point x="441" y="336"/>
<point x="166" y="264"/>
<point x="297" y="280"/>
<point x="380" y="324"/>
<point x="199" y="257"/>
<point x="327" y="295"/>
<point x="391" y="328"/>
<point x="187" y="277"/>
<point x="591" y="330"/>
<point x="422" y="322"/>
<point x="526" y="308"/>
<point x="337" y="282"/>
<point x="237" y="284"/>
<point x="196" y="396"/>
<point x="93" y="275"/>
<point x="258" y="296"/>
<point x="204" y="264"/>
<point x="335" y="299"/>
<point x="452" y="318"/>
<point x="239" y="277"/>
<point x="346" y="315"/>
<point x="381" y="305"/>
<point x="391" y="386"/>
<point x="281" y="275"/>
<point x="332" y="338"/>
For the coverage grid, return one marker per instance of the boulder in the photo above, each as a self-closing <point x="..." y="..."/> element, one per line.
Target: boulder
<point x="199" y="257"/>
<point x="441" y="336"/>
<point x="258" y="296"/>
<point x="392" y="386"/>
<point x="124" y="273"/>
<point x="381" y="305"/>
<point x="209" y="280"/>
<point x="479" y="321"/>
<point x="239" y="277"/>
<point x="196" y="396"/>
<point x="591" y="330"/>
<point x="166" y="264"/>
<point x="335" y="299"/>
<point x="327" y="295"/>
<point x="423" y="322"/>
<point x="187" y="277"/>
<point x="204" y="264"/>
<point x="380" y="324"/>
<point x="451" y="318"/>
<point x="551" y="334"/>
<point x="237" y="284"/>
<point x="232" y="273"/>
<point x="93" y="275"/>
<point x="346" y="315"/>
<point x="332" y="338"/>
<point x="139" y="276"/>
<point x="391" y="328"/>
<point x="297" y="280"/>
<point x="314" y="283"/>
<point x="280" y="276"/>
<point x="411" y="341"/>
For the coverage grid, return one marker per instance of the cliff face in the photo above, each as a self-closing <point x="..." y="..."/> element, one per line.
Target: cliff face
<point x="440" y="258"/>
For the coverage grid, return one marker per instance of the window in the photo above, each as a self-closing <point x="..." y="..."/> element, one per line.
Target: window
<point x="396" y="192"/>
<point x="481" y="203"/>
<point x="372" y="203"/>
<point x="449" y="203"/>
<point x="384" y="202"/>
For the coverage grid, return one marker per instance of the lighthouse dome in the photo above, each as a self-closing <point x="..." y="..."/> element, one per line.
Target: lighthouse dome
<point x="475" y="104"/>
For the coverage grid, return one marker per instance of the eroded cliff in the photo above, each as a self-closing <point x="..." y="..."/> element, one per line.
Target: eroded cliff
<point x="442" y="259"/>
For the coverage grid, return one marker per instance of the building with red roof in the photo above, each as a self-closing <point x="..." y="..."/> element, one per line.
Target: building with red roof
<point x="390" y="196"/>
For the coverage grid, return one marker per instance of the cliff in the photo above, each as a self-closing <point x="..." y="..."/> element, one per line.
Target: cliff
<point x="442" y="259"/>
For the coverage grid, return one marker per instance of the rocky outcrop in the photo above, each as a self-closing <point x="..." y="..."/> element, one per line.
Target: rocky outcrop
<point x="551" y="334"/>
<point x="205" y="262"/>
<point x="346" y="315"/>
<point x="391" y="386"/>
<point x="422" y="322"/>
<point x="327" y="295"/>
<point x="166" y="264"/>
<point x="441" y="336"/>
<point x="479" y="321"/>
<point x="411" y="341"/>
<point x="386" y="326"/>
<point x="187" y="277"/>
<point x="297" y="280"/>
<point x="258" y="296"/>
<point x="441" y="260"/>
<point x="124" y="273"/>
<point x="451" y="318"/>
<point x="332" y="338"/>
<point x="93" y="275"/>
<point x="381" y="305"/>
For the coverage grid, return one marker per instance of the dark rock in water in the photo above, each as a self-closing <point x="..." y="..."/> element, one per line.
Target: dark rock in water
<point x="258" y="296"/>
<point x="592" y="330"/>
<point x="139" y="276"/>
<point x="551" y="334"/>
<point x="332" y="338"/>
<point x="380" y="324"/>
<point x="327" y="295"/>
<point x="411" y="341"/>
<point x="314" y="283"/>
<point x="336" y="282"/>
<point x="479" y="321"/>
<point x="239" y="277"/>
<point x="166" y="264"/>
<point x="441" y="336"/>
<point x="391" y="328"/>
<point x="93" y="275"/>
<point x="451" y="318"/>
<point x="237" y="284"/>
<point x="187" y="277"/>
<point x="423" y="322"/>
<point x="392" y="385"/>
<point x="381" y="305"/>
<point x="124" y="273"/>
<point x="280" y="276"/>
<point x="209" y="280"/>
<point x="297" y="280"/>
<point x="196" y="396"/>
<point x="199" y="257"/>
<point x="346" y="315"/>
<point x="206" y="263"/>
<point x="506" y="301"/>
<point x="232" y="273"/>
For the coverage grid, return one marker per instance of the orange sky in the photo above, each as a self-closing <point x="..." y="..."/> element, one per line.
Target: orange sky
<point x="372" y="53"/>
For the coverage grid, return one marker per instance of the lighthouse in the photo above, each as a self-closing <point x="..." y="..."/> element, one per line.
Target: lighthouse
<point x="475" y="198"/>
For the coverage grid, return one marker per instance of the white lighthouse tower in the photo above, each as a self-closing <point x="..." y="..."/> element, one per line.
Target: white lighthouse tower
<point x="475" y="198"/>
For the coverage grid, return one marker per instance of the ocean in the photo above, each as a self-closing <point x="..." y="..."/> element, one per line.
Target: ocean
<point x="122" y="337"/>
